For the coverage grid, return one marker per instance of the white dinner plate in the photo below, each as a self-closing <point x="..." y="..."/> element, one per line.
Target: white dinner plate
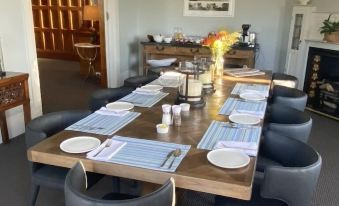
<point x="228" y="158"/>
<point x="252" y="96"/>
<point x="242" y="118"/>
<point x="121" y="106"/>
<point x="152" y="87"/>
<point x="80" y="144"/>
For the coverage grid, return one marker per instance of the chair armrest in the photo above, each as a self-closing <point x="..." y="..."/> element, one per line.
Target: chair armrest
<point x="50" y="124"/>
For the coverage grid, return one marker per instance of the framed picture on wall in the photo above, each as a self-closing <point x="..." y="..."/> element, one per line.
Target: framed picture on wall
<point x="209" y="8"/>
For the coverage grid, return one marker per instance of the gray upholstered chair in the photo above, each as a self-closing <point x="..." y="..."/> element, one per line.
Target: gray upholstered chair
<point x="284" y="80"/>
<point x="291" y="182"/>
<point x="289" y="97"/>
<point x="138" y="81"/>
<point x="289" y="122"/>
<point x="75" y="193"/>
<point x="101" y="97"/>
<point x="39" y="129"/>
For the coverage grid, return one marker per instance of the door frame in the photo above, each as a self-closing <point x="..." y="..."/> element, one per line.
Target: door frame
<point x="112" y="40"/>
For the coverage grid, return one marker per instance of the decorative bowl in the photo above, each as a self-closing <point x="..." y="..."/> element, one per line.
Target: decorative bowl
<point x="167" y="40"/>
<point x="161" y="62"/>
<point x="158" y="38"/>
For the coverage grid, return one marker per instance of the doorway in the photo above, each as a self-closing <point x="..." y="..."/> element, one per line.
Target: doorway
<point x="66" y="80"/>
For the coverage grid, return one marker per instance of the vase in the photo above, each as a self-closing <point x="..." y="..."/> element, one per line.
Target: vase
<point x="218" y="59"/>
<point x="332" y="37"/>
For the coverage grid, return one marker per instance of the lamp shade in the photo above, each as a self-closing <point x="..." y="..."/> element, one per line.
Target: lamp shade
<point x="91" y="13"/>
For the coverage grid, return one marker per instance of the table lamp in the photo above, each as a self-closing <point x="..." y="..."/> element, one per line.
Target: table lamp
<point x="91" y="13"/>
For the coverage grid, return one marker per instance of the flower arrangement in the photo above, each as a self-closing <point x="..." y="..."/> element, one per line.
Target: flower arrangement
<point x="220" y="43"/>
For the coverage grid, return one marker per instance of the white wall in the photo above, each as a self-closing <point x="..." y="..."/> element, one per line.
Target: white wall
<point x="328" y="6"/>
<point x="17" y="35"/>
<point x="268" y="19"/>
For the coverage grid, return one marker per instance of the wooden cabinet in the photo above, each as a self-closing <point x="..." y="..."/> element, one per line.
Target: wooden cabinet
<point x="238" y="55"/>
<point x="13" y="92"/>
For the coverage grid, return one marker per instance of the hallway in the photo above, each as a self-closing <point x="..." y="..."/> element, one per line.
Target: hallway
<point x="62" y="87"/>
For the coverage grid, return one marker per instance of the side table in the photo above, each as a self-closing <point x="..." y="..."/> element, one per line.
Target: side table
<point x="13" y="92"/>
<point x="88" y="52"/>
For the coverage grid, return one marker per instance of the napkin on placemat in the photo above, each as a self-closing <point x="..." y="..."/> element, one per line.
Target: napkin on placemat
<point x="244" y="87"/>
<point x="259" y="114"/>
<point x="226" y="132"/>
<point x="250" y="107"/>
<point x="146" y="91"/>
<point x="106" y="150"/>
<point x="105" y="111"/>
<point x="250" y="148"/>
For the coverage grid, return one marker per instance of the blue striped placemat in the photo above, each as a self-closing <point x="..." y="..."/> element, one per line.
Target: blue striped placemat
<point x="241" y="106"/>
<point x="223" y="131"/>
<point x="103" y="124"/>
<point x="142" y="100"/>
<point x="148" y="154"/>
<point x="239" y="87"/>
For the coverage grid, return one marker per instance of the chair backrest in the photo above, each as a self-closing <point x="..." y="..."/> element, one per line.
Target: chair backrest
<point x="102" y="97"/>
<point x="295" y="181"/>
<point x="284" y="80"/>
<point x="290" y="97"/>
<point x="290" y="122"/>
<point x="75" y="187"/>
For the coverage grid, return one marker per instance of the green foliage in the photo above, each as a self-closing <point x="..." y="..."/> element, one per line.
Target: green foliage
<point x="329" y="26"/>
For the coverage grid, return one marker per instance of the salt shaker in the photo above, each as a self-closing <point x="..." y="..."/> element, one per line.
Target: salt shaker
<point x="176" y="115"/>
<point x="166" y="116"/>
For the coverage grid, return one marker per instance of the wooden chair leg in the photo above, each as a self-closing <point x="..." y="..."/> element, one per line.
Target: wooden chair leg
<point x="3" y="127"/>
<point x="34" y="194"/>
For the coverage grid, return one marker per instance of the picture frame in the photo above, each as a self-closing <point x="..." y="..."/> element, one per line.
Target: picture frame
<point x="209" y="8"/>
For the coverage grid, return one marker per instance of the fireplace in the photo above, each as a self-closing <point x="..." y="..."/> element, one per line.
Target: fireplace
<point x="322" y="81"/>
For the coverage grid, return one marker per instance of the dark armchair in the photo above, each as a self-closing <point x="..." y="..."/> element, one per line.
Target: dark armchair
<point x="39" y="129"/>
<point x="75" y="188"/>
<point x="289" y="122"/>
<point x="289" y="97"/>
<point x="291" y="182"/>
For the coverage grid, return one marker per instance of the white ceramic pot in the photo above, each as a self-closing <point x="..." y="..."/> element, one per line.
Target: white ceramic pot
<point x="303" y="2"/>
<point x="158" y="38"/>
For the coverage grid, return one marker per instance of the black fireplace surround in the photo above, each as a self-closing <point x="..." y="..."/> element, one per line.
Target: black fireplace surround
<point x="322" y="81"/>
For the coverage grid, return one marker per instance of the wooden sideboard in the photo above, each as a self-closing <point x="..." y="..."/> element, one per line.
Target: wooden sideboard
<point x="151" y="50"/>
<point x="13" y="92"/>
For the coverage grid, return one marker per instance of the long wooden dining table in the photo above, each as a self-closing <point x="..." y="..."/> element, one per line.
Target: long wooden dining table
<point x="194" y="173"/>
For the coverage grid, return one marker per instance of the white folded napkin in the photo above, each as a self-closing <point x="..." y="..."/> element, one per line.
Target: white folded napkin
<point x="264" y="93"/>
<point x="259" y="114"/>
<point x="105" y="111"/>
<point x="250" y="148"/>
<point x="103" y="153"/>
<point x="146" y="91"/>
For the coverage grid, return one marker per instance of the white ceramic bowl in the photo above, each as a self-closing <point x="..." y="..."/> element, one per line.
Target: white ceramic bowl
<point x="185" y="107"/>
<point x="161" y="62"/>
<point x="158" y="38"/>
<point x="162" y="128"/>
<point x="167" y="40"/>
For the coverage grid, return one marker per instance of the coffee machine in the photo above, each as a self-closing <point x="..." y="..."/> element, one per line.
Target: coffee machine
<point x="248" y="38"/>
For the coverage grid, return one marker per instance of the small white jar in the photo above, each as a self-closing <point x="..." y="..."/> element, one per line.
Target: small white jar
<point x="162" y="128"/>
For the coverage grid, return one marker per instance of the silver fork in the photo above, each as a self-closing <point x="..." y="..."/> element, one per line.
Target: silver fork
<point x="108" y="144"/>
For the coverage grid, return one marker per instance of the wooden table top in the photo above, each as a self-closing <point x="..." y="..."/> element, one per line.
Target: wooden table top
<point x="194" y="172"/>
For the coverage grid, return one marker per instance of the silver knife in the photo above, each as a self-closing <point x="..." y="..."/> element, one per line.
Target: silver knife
<point x="168" y="156"/>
